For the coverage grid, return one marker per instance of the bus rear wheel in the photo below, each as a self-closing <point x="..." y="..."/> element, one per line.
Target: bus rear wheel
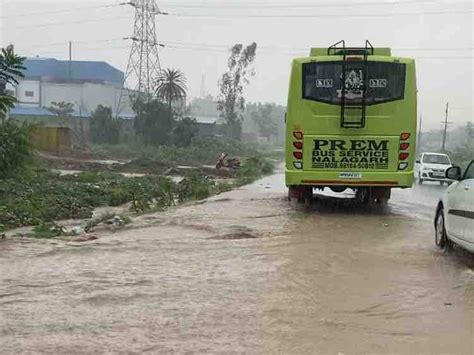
<point x="300" y="193"/>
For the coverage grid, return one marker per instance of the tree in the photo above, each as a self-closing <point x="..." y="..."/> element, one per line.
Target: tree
<point x="185" y="131"/>
<point x="15" y="146"/>
<point x="105" y="129"/>
<point x="153" y="123"/>
<point x="61" y="109"/>
<point x="11" y="67"/>
<point x="263" y="116"/>
<point x="231" y="100"/>
<point x="171" y="86"/>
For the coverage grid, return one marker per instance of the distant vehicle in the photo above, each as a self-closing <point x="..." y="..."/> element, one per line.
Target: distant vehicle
<point x="432" y="167"/>
<point x="454" y="221"/>
<point x="351" y="122"/>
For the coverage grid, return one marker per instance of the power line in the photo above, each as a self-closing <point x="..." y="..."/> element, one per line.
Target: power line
<point x="280" y="6"/>
<point x="289" y="53"/>
<point x="71" y="10"/>
<point x="227" y="46"/>
<point x="291" y="16"/>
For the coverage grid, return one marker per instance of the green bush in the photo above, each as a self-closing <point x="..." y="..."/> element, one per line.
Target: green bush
<point x="194" y="186"/>
<point x="15" y="148"/>
<point x="252" y="169"/>
<point x="200" y="152"/>
<point x="104" y="128"/>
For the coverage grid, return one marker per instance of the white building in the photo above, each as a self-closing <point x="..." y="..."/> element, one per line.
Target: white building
<point x="84" y="84"/>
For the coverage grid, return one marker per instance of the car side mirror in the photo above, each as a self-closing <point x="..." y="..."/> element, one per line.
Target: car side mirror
<point x="454" y="173"/>
<point x="418" y="161"/>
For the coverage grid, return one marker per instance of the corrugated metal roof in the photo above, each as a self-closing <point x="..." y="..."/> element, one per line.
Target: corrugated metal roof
<point x="30" y="111"/>
<point x="50" y="68"/>
<point x="38" y="111"/>
<point x="209" y="120"/>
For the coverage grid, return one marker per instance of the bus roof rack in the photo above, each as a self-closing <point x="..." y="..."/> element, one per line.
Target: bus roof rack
<point x="340" y="48"/>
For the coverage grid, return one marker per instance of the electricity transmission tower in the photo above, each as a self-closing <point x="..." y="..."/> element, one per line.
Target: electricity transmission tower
<point x="144" y="62"/>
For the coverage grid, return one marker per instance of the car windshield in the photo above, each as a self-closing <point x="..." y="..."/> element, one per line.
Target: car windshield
<point x="436" y="159"/>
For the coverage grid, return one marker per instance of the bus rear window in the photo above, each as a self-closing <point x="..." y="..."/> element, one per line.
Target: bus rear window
<point x="322" y="81"/>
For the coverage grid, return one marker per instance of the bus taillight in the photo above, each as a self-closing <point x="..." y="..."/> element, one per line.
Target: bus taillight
<point x="403" y="156"/>
<point x="298" y="145"/>
<point x="298" y="135"/>
<point x="404" y="146"/>
<point x="298" y="155"/>
<point x="405" y="136"/>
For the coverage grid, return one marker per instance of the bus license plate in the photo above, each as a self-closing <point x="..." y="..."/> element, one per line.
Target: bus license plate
<point x="350" y="175"/>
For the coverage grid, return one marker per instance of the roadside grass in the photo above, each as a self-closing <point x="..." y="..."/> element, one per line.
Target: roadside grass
<point x="200" y="152"/>
<point x="42" y="197"/>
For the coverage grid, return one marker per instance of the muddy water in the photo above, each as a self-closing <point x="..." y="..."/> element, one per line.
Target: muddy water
<point x="244" y="272"/>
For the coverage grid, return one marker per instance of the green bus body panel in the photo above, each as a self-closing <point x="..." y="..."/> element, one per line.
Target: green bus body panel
<point x="320" y="121"/>
<point x="318" y="52"/>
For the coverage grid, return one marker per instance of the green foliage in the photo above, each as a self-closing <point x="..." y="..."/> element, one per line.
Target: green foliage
<point x="41" y="197"/>
<point x="171" y="86"/>
<point x="184" y="132"/>
<point x="200" y="152"/>
<point x="104" y="128"/>
<point x="231" y="100"/>
<point x="266" y="119"/>
<point x="11" y="70"/>
<point x="154" y="122"/>
<point x="15" y="148"/>
<point x="252" y="169"/>
<point x="61" y="109"/>
<point x="47" y="230"/>
<point x="195" y="186"/>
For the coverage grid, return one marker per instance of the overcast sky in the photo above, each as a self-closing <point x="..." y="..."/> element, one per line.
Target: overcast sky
<point x="438" y="33"/>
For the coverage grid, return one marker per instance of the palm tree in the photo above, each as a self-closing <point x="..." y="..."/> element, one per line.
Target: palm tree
<point x="171" y="86"/>
<point x="11" y="70"/>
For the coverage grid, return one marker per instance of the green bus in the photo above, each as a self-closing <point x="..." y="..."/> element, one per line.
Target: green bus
<point x="351" y="122"/>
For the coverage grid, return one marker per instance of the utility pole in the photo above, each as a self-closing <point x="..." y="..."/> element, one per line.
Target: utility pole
<point x="70" y="60"/>
<point x="203" y="87"/>
<point x="143" y="66"/>
<point x="445" y="123"/>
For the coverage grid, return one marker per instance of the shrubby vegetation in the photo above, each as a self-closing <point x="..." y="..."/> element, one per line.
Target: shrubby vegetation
<point x="105" y="129"/>
<point x="203" y="151"/>
<point x="15" y="148"/>
<point x="42" y="197"/>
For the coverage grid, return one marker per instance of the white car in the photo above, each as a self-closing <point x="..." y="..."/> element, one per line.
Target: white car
<point x="432" y="167"/>
<point x="454" y="221"/>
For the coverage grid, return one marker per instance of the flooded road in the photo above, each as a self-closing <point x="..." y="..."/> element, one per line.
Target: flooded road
<point x="245" y="273"/>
